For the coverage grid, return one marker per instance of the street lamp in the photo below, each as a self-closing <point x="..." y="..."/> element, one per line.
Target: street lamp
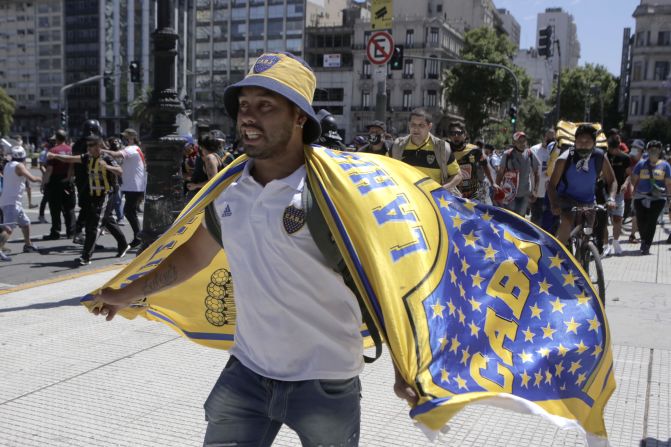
<point x="164" y="198"/>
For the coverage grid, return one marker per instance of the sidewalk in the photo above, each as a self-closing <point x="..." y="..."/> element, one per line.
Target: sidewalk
<point x="69" y="379"/>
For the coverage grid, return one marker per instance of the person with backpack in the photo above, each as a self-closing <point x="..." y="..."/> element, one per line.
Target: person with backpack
<point x="298" y="349"/>
<point x="427" y="152"/>
<point x="475" y="173"/>
<point x="651" y="178"/>
<point x="214" y="157"/>
<point x="518" y="176"/>
<point x="574" y="179"/>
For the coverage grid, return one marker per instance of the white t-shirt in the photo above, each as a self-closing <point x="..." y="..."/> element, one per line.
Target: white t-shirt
<point x="12" y="186"/>
<point x="543" y="155"/>
<point x="295" y="317"/>
<point x="134" y="177"/>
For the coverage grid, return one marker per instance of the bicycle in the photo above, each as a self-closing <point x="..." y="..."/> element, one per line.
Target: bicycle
<point x="584" y="246"/>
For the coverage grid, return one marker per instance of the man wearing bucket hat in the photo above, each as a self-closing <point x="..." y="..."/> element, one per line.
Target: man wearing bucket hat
<point x="298" y="349"/>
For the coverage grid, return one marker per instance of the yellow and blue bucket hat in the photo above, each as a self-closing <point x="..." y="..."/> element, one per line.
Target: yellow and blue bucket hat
<point x="284" y="74"/>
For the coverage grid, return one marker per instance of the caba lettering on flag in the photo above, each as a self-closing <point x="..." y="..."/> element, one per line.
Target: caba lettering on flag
<point x="475" y="303"/>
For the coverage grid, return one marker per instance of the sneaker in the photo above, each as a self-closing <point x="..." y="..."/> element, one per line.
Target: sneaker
<point x="645" y="249"/>
<point x="30" y="249"/>
<point x="608" y="251"/>
<point x="617" y="248"/>
<point x="82" y="261"/>
<point x="51" y="237"/>
<point x="121" y="223"/>
<point x="4" y="257"/>
<point x="78" y="239"/>
<point x="135" y="243"/>
<point x="122" y="251"/>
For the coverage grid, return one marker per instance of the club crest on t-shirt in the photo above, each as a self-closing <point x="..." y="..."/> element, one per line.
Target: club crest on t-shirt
<point x="293" y="219"/>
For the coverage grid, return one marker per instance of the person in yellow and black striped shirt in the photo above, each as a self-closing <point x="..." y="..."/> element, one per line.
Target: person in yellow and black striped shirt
<point x="427" y="152"/>
<point x="472" y="163"/>
<point x="103" y="173"/>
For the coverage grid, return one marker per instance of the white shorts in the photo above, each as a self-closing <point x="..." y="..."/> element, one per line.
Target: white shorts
<point x="13" y="215"/>
<point x="619" y="206"/>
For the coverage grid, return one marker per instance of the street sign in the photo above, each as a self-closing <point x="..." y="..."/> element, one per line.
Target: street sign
<point x="380" y="47"/>
<point x="381" y="14"/>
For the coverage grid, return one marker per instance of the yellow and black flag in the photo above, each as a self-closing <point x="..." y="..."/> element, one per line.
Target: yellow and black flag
<point x="474" y="302"/>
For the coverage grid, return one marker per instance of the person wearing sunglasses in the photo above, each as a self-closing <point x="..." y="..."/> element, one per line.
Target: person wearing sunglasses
<point x="103" y="182"/>
<point x="472" y="163"/>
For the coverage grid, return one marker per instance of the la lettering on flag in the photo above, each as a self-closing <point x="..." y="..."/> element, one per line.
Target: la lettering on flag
<point x="475" y="303"/>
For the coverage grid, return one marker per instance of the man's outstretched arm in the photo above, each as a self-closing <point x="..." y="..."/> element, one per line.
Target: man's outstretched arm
<point x="190" y="258"/>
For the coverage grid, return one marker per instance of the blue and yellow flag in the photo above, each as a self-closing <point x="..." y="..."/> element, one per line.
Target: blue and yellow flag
<point x="474" y="302"/>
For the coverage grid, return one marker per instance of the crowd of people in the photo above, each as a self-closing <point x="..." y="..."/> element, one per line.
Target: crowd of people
<point x="543" y="182"/>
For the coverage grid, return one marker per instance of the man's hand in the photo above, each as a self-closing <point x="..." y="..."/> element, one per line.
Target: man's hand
<point x="556" y="211"/>
<point x="113" y="301"/>
<point x="50" y="156"/>
<point x="610" y="204"/>
<point x="405" y="391"/>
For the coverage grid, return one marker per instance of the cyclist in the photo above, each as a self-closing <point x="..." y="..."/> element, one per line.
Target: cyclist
<point x="652" y="182"/>
<point x="573" y="181"/>
<point x="472" y="164"/>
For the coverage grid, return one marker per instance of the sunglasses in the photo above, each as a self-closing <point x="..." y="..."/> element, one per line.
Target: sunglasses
<point x="455" y="132"/>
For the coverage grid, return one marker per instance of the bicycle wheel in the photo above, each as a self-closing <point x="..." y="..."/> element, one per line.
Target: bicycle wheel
<point x="592" y="264"/>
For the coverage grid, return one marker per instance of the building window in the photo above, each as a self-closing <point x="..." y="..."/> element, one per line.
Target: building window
<point x="365" y="100"/>
<point x="410" y="38"/>
<point x="433" y="36"/>
<point x="661" y="70"/>
<point x="366" y="73"/>
<point x="640" y="39"/>
<point x="633" y="110"/>
<point x="408" y="69"/>
<point x="330" y="94"/>
<point x="656" y="105"/>
<point x="407" y="100"/>
<point x="664" y="38"/>
<point x="431" y="69"/>
<point x="431" y="98"/>
<point x="637" y="72"/>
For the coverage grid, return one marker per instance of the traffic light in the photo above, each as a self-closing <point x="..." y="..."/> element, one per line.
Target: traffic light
<point x="545" y="42"/>
<point x="513" y="115"/>
<point x="64" y="119"/>
<point x="396" y="60"/>
<point x="135" y="75"/>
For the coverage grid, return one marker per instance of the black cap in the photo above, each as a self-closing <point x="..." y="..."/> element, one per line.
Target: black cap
<point x="379" y="124"/>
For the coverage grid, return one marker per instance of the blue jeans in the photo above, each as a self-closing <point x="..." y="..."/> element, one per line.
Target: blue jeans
<point x="247" y="410"/>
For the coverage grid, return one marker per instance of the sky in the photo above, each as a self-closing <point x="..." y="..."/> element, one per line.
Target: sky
<point x="600" y="24"/>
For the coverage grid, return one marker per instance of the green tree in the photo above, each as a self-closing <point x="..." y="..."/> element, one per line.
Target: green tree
<point x="656" y="127"/>
<point x="532" y="113"/>
<point x="141" y="111"/>
<point x="7" y="107"/>
<point x="589" y="92"/>
<point x="475" y="89"/>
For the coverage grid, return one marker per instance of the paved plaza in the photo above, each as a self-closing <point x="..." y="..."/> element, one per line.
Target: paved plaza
<point x="69" y="379"/>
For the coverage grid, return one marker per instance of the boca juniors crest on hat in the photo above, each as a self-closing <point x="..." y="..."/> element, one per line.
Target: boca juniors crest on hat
<point x="293" y="219"/>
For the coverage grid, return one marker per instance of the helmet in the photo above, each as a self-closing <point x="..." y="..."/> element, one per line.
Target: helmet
<point x="18" y="153"/>
<point x="329" y="125"/>
<point x="92" y="127"/>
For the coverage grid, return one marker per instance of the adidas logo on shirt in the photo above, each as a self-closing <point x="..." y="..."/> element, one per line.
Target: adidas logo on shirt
<point x="227" y="212"/>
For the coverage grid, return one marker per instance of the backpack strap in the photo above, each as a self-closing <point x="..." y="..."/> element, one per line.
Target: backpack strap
<point x="212" y="223"/>
<point x="322" y="236"/>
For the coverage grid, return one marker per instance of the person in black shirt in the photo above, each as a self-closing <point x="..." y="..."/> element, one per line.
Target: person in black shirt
<point x="103" y="181"/>
<point x="90" y="127"/>
<point x="621" y="164"/>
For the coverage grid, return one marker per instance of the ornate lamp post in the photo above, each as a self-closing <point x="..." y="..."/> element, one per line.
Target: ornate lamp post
<point x="164" y="198"/>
